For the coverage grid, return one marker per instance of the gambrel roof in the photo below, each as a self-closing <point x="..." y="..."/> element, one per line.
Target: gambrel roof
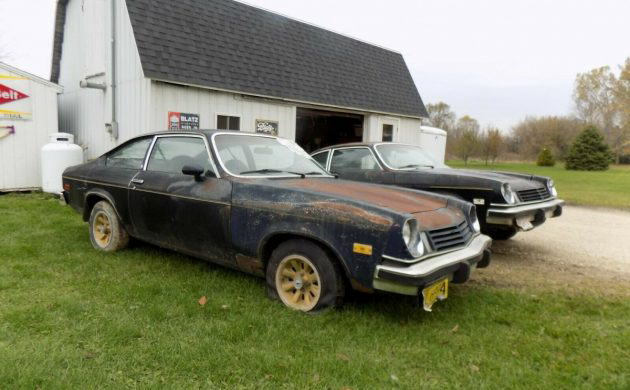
<point x="231" y="46"/>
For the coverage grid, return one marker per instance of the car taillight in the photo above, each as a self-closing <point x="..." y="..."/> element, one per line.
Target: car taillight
<point x="66" y="186"/>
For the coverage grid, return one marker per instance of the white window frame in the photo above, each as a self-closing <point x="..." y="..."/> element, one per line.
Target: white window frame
<point x="218" y="114"/>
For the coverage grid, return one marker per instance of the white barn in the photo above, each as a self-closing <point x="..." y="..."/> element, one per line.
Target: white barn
<point x="28" y="116"/>
<point x="160" y="64"/>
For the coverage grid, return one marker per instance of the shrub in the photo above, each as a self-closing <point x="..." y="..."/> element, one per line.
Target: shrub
<point x="589" y="152"/>
<point x="545" y="158"/>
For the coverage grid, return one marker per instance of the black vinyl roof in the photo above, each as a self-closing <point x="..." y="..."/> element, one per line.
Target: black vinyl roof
<point x="227" y="45"/>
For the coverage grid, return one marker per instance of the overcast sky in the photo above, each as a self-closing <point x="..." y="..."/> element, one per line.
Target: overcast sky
<point x="496" y="60"/>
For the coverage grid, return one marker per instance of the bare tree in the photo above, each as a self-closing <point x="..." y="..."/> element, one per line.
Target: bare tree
<point x="533" y="134"/>
<point x="598" y="97"/>
<point x="467" y="143"/>
<point x="491" y="144"/>
<point x="441" y="115"/>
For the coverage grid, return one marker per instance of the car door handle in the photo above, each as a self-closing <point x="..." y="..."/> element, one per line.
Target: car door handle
<point x="137" y="181"/>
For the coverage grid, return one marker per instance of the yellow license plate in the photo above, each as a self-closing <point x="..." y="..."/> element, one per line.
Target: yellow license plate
<point x="438" y="291"/>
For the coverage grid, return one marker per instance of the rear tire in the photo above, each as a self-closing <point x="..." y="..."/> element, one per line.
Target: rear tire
<point x="304" y="277"/>
<point x="106" y="231"/>
<point x="501" y="233"/>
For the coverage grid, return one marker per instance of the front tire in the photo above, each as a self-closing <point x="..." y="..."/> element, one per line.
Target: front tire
<point x="106" y="231"/>
<point x="501" y="233"/>
<point x="304" y="277"/>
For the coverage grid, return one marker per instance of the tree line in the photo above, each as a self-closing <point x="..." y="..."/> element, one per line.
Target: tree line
<point x="601" y="101"/>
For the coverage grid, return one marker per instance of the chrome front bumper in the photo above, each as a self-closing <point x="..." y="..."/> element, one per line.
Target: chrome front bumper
<point x="525" y="216"/>
<point x="456" y="265"/>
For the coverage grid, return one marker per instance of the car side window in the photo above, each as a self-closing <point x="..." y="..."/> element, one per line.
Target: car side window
<point x="321" y="158"/>
<point x="170" y="154"/>
<point x="356" y="158"/>
<point x="129" y="156"/>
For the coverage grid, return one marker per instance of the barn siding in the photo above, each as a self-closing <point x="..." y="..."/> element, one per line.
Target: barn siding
<point x="208" y="104"/>
<point x="87" y="51"/>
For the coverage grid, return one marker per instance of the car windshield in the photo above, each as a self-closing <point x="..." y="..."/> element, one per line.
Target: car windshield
<point x="410" y="157"/>
<point x="252" y="155"/>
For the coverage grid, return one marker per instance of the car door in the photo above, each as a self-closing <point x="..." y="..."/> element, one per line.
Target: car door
<point x="181" y="211"/>
<point x="112" y="174"/>
<point x="357" y="163"/>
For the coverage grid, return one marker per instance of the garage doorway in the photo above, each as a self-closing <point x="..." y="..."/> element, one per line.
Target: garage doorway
<point x="318" y="128"/>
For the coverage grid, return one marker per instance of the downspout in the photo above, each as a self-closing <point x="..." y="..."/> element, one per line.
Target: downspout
<point x="114" y="123"/>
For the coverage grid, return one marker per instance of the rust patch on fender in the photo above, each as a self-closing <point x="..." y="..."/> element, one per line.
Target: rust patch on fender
<point x="250" y="265"/>
<point x="349" y="212"/>
<point x="391" y="198"/>
<point x="439" y="219"/>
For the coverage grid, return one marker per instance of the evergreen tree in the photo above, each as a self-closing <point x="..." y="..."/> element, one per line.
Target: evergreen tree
<point x="589" y="152"/>
<point x="545" y="158"/>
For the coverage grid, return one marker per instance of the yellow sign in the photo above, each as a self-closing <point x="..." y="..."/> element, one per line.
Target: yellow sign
<point x="10" y="114"/>
<point x="362" y="249"/>
<point x="11" y="77"/>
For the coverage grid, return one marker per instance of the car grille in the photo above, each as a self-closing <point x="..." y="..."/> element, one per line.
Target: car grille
<point x="450" y="237"/>
<point x="533" y="195"/>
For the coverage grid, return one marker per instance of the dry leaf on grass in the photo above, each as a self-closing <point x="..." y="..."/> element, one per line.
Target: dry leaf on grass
<point x="203" y="300"/>
<point x="316" y="377"/>
<point x="455" y="328"/>
<point x="343" y="356"/>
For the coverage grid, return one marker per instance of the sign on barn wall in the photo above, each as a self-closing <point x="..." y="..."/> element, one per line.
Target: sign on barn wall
<point x="15" y="102"/>
<point x="182" y="121"/>
<point x="266" y="127"/>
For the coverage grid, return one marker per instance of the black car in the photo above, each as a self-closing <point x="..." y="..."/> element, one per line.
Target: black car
<point x="506" y="202"/>
<point x="261" y="204"/>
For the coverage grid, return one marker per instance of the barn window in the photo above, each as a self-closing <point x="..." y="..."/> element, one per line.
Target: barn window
<point x="388" y="133"/>
<point x="225" y="122"/>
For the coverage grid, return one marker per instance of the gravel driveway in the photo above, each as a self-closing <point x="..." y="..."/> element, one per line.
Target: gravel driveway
<point x="584" y="248"/>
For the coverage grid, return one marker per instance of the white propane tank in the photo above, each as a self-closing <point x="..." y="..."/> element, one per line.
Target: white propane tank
<point x="58" y="154"/>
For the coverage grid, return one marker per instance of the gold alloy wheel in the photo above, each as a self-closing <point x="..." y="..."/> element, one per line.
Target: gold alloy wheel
<point x="102" y="229"/>
<point x="298" y="283"/>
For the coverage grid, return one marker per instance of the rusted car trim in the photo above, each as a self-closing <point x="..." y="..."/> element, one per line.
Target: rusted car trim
<point x="468" y="256"/>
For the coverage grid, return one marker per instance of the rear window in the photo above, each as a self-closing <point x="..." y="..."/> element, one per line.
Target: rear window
<point x="130" y="156"/>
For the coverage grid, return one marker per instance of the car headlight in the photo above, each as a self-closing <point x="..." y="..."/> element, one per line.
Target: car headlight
<point x="508" y="194"/>
<point x="552" y="188"/>
<point x="474" y="221"/>
<point x="412" y="238"/>
<point x="406" y="233"/>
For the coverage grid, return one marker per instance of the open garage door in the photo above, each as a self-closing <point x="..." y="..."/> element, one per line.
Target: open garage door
<point x="318" y="128"/>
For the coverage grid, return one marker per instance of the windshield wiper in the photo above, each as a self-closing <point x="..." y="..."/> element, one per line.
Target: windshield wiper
<point x="416" y="166"/>
<point x="267" y="170"/>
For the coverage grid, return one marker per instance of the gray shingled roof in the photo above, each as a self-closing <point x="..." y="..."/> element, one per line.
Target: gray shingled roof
<point x="232" y="46"/>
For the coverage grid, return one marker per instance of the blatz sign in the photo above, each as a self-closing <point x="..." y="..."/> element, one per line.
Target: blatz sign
<point x="182" y="121"/>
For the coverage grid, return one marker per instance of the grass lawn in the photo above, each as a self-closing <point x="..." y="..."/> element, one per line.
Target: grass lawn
<point x="72" y="317"/>
<point x="609" y="188"/>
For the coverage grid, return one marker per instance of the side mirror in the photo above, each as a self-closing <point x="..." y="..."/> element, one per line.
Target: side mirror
<point x="193" y="170"/>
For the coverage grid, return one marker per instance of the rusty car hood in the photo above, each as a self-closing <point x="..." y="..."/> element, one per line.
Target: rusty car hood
<point x="383" y="196"/>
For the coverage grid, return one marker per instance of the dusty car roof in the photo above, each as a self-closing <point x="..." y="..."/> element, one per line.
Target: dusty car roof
<point x="354" y="144"/>
<point x="206" y="132"/>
